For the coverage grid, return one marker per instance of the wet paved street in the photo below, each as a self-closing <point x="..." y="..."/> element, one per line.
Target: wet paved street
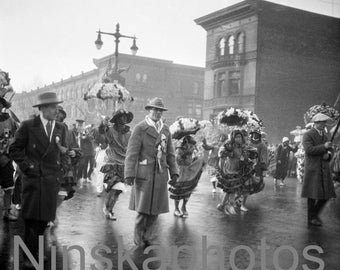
<point x="277" y="217"/>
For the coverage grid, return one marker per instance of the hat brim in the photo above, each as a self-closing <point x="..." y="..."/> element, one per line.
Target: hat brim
<point x="47" y="103"/>
<point x="129" y="117"/>
<point x="148" y="107"/>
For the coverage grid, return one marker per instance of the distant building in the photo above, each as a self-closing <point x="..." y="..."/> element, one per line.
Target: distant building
<point x="180" y="86"/>
<point x="275" y="60"/>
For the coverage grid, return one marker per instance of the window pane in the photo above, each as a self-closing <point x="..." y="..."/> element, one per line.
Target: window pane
<point x="240" y="42"/>
<point x="231" y="44"/>
<point x="222" y="46"/>
<point x="220" y="84"/>
<point x="234" y="83"/>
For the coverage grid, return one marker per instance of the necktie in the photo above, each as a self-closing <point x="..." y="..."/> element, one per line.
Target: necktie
<point x="49" y="129"/>
<point x="157" y="125"/>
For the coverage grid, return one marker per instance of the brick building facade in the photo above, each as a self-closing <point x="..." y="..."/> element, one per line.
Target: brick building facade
<point x="275" y="60"/>
<point x="180" y="86"/>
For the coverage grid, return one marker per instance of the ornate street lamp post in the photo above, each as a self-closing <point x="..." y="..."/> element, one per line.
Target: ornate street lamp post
<point x="117" y="35"/>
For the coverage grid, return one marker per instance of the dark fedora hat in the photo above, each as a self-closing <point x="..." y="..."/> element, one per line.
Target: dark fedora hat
<point x="156" y="103"/>
<point x="47" y="98"/>
<point x="119" y="113"/>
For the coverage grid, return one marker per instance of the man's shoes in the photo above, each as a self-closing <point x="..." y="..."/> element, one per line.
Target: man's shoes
<point x="214" y="190"/>
<point x="314" y="222"/>
<point x="282" y="183"/>
<point x="9" y="216"/>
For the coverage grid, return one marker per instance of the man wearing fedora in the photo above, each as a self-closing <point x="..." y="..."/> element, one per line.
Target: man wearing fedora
<point x="36" y="152"/>
<point x="317" y="184"/>
<point x="150" y="159"/>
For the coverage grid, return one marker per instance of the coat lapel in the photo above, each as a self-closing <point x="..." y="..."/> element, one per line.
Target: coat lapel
<point x="39" y="132"/>
<point x="151" y="131"/>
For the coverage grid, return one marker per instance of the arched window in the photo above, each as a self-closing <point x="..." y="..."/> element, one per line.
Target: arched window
<point x="221" y="47"/>
<point x="240" y="42"/>
<point x="231" y="44"/>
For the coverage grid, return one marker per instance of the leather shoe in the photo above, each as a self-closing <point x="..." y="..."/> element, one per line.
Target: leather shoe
<point x="314" y="222"/>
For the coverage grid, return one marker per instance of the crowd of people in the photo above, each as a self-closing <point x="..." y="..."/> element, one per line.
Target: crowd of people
<point x="47" y="160"/>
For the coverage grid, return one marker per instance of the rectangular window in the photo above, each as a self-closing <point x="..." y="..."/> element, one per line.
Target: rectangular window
<point x="220" y="84"/>
<point x="234" y="83"/>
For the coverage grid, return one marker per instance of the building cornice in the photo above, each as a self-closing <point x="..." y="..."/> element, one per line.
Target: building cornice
<point x="235" y="12"/>
<point x="102" y="62"/>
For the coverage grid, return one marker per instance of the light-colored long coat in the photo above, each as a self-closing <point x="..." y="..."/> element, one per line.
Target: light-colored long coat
<point x="149" y="193"/>
<point x="317" y="182"/>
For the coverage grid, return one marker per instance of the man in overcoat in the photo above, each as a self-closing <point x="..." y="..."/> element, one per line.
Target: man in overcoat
<point x="317" y="184"/>
<point x="36" y="152"/>
<point x="282" y="159"/>
<point x="150" y="159"/>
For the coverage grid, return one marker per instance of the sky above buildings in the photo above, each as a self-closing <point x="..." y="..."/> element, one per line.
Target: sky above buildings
<point x="44" y="41"/>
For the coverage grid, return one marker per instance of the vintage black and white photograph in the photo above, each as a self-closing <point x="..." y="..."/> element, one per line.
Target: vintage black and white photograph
<point x="170" y="135"/>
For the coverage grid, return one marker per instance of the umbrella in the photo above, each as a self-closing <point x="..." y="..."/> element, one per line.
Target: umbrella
<point x="105" y="91"/>
<point x="240" y="118"/>
<point x="184" y="126"/>
<point x="298" y="132"/>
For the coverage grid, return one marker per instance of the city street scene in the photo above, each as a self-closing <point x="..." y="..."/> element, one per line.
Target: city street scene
<point x="170" y="135"/>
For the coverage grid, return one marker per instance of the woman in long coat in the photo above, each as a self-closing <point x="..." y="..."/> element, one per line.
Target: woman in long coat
<point x="282" y="159"/>
<point x="150" y="158"/>
<point x="317" y="184"/>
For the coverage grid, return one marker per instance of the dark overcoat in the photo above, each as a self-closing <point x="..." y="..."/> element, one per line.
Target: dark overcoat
<point x="282" y="159"/>
<point x="41" y="164"/>
<point x="317" y="183"/>
<point x="149" y="193"/>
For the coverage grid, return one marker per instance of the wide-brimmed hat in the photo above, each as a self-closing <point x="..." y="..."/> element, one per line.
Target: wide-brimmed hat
<point x="116" y="115"/>
<point x="47" y="98"/>
<point x="285" y="139"/>
<point x="156" y="103"/>
<point x="320" y="117"/>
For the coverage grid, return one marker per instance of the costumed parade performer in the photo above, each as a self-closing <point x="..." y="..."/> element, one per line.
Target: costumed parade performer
<point x="190" y="165"/>
<point x="101" y="142"/>
<point x="8" y="126"/>
<point x="117" y="136"/>
<point x="213" y="139"/>
<point x="236" y="173"/>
